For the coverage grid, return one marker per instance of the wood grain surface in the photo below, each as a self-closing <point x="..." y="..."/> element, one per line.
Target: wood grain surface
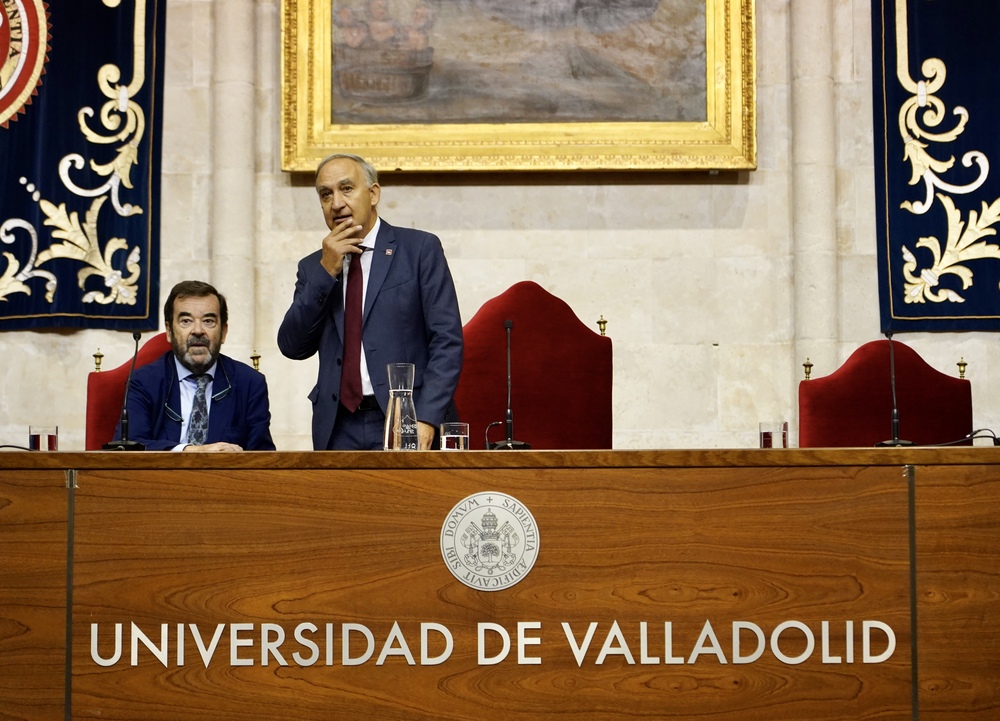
<point x="958" y="582"/>
<point x="628" y="540"/>
<point x="345" y="460"/>
<point x="33" y="520"/>
<point x="625" y="546"/>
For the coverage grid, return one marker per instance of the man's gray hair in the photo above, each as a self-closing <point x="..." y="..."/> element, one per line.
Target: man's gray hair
<point x="371" y="175"/>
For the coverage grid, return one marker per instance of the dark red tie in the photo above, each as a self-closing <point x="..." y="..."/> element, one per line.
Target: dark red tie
<point x="350" y="379"/>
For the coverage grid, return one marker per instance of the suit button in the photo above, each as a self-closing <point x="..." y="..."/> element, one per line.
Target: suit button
<point x="340" y="361"/>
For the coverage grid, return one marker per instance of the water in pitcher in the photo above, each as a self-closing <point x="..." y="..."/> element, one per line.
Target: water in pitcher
<point x="401" y="415"/>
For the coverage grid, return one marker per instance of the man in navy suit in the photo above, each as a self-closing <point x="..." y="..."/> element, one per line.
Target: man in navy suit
<point x="410" y="315"/>
<point x="194" y="398"/>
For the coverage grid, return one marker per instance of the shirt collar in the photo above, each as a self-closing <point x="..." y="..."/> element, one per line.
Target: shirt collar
<point x="183" y="373"/>
<point x="369" y="241"/>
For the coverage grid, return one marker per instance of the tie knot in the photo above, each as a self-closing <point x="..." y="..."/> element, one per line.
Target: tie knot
<point x="202" y="381"/>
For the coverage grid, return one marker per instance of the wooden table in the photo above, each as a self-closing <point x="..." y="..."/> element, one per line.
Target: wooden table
<point x="730" y="585"/>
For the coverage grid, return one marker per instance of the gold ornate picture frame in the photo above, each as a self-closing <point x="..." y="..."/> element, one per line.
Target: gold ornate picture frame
<point x="326" y="78"/>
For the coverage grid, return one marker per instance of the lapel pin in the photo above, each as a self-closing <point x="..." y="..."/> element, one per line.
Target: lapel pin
<point x="388" y="251"/>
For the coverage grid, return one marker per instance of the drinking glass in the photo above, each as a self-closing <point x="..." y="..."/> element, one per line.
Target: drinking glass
<point x="774" y="434"/>
<point x="454" y="436"/>
<point x="43" y="438"/>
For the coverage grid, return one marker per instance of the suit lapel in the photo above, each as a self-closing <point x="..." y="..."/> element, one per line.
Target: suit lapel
<point x="173" y="428"/>
<point x="337" y="308"/>
<point x="220" y="413"/>
<point x="385" y="251"/>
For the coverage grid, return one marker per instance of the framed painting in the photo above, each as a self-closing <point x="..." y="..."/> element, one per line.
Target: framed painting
<point x="498" y="85"/>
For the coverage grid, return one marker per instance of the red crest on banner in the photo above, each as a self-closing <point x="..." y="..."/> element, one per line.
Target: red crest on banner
<point x="24" y="44"/>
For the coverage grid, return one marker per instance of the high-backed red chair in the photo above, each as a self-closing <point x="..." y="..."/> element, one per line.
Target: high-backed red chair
<point x="853" y="405"/>
<point x="106" y="390"/>
<point x="561" y="373"/>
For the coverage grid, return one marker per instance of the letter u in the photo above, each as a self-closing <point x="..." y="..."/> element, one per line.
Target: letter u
<point x="94" y="654"/>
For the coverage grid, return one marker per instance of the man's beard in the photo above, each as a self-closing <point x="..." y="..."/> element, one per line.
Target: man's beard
<point x="198" y="365"/>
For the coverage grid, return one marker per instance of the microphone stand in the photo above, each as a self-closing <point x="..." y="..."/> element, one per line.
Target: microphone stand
<point x="509" y="444"/>
<point x="125" y="444"/>
<point x="895" y="441"/>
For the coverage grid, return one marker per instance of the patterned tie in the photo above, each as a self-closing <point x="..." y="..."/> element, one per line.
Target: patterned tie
<point x="350" y="378"/>
<point x="198" y="424"/>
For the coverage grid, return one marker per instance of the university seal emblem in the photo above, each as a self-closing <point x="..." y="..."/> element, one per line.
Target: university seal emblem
<point x="24" y="38"/>
<point x="489" y="541"/>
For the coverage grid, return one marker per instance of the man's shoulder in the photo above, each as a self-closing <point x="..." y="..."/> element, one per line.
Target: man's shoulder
<point x="390" y="230"/>
<point x="153" y="370"/>
<point x="411" y="240"/>
<point x="312" y="258"/>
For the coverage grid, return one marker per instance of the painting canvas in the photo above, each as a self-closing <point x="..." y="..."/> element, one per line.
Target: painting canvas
<point x="540" y="84"/>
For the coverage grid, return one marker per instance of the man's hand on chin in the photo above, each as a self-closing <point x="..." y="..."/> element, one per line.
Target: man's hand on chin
<point x="213" y="448"/>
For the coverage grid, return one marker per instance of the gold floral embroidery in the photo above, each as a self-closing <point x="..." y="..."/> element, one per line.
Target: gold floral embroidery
<point x="919" y="115"/>
<point x="123" y="124"/>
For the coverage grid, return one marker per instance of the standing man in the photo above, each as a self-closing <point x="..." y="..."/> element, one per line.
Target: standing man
<point x="194" y="398"/>
<point x="373" y="294"/>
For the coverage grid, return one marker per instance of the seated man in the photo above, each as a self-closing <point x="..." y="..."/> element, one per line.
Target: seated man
<point x="194" y="398"/>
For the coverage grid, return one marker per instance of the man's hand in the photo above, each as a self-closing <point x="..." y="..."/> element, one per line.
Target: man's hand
<point x="213" y="448"/>
<point x="341" y="241"/>
<point x="425" y="435"/>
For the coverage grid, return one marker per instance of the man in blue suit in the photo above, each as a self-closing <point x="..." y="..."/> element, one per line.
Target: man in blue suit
<point x="410" y="315"/>
<point x="194" y="398"/>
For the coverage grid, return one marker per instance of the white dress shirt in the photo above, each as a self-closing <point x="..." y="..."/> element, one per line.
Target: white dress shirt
<point x="189" y="386"/>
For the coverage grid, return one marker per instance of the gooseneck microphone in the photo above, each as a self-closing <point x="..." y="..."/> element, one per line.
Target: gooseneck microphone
<point x="509" y="444"/>
<point x="125" y="444"/>
<point x="895" y="440"/>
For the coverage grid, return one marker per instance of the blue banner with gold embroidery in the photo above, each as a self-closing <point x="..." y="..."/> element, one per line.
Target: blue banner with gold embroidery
<point x="81" y="86"/>
<point x="936" y="111"/>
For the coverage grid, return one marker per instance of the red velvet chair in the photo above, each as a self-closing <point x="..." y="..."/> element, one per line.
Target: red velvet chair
<point x="853" y="405"/>
<point x="561" y="373"/>
<point x="106" y="390"/>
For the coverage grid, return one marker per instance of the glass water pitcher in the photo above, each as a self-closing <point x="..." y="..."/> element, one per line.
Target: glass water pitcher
<point x="401" y="416"/>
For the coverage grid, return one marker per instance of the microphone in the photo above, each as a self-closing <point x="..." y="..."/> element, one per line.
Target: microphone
<point x="125" y="444"/>
<point x="895" y="440"/>
<point x="509" y="444"/>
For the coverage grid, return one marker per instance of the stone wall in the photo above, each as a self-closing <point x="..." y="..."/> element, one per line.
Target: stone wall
<point x="715" y="288"/>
